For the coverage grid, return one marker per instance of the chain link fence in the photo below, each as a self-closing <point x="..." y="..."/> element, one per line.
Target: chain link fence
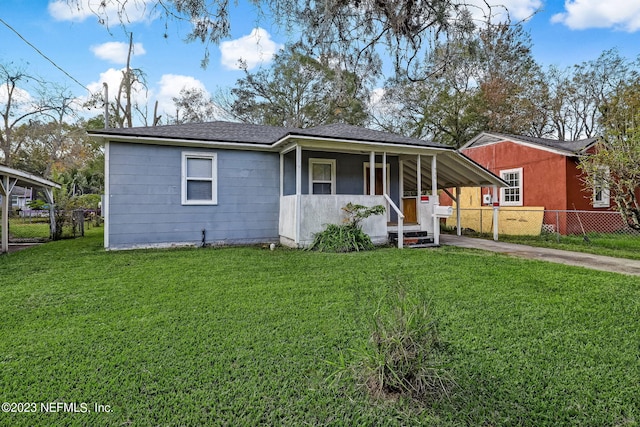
<point x="35" y="226"/>
<point x="544" y="223"/>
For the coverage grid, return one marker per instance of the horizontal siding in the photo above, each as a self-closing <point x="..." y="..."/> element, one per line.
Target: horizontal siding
<point x="145" y="198"/>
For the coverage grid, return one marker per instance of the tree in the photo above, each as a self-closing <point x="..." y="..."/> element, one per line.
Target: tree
<point x="193" y="105"/>
<point x="126" y="100"/>
<point x="17" y="106"/>
<point x="351" y="31"/>
<point x="486" y="79"/>
<point x="299" y="91"/>
<point x="579" y="93"/>
<point x="615" y="165"/>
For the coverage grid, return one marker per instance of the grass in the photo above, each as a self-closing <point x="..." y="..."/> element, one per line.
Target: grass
<point x="24" y="229"/>
<point x="246" y="336"/>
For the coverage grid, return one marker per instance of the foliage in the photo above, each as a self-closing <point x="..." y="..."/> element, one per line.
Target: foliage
<point x="194" y="105"/>
<point x="299" y="91"/>
<point x="37" y="204"/>
<point x="486" y="79"/>
<point x="614" y="166"/>
<point x="242" y="336"/>
<point x="350" y="31"/>
<point x="347" y="237"/>
<point x="17" y="106"/>
<point x="404" y="356"/>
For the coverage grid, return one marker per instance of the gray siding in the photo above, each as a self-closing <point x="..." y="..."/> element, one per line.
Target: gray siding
<point x="145" y="207"/>
<point x="349" y="173"/>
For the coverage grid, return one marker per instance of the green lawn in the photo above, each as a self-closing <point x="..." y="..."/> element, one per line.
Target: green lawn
<point x="246" y="336"/>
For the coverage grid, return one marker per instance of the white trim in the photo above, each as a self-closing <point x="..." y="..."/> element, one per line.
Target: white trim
<point x="503" y="201"/>
<point x="303" y="140"/>
<point x="214" y="177"/>
<point x="107" y="193"/>
<point x="470" y="145"/>
<point x="332" y="163"/>
<point x="601" y="186"/>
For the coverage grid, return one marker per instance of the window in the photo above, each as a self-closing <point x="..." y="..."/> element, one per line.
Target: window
<point x="601" y="196"/>
<point x="199" y="176"/>
<point x="322" y="176"/>
<point x="511" y="195"/>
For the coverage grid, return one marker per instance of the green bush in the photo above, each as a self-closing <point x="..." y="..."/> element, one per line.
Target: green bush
<point x="347" y="237"/>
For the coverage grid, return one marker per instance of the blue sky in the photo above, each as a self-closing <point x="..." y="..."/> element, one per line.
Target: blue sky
<point x="563" y="33"/>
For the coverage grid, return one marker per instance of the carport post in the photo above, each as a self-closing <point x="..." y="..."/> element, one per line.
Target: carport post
<point x="436" y="201"/>
<point x="458" y="221"/>
<point x="4" y="192"/>
<point x="496" y="206"/>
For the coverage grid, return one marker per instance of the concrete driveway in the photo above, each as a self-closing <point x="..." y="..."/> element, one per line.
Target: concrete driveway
<point x="579" y="259"/>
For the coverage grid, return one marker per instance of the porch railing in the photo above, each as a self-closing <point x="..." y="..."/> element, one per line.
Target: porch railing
<point x="400" y="220"/>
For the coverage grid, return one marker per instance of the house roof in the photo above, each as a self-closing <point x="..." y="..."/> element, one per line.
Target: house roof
<point x="209" y="131"/>
<point x="245" y="133"/>
<point x="567" y="148"/>
<point x="456" y="169"/>
<point x="357" y="133"/>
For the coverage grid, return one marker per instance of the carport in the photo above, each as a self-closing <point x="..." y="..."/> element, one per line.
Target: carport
<point x="9" y="178"/>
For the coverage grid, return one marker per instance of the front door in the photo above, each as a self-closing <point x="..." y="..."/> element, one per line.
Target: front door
<point x="409" y="209"/>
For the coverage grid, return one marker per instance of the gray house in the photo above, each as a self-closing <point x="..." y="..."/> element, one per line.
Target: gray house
<point x="235" y="183"/>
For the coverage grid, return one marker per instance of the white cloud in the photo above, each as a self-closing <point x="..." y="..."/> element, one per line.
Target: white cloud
<point x="20" y="97"/>
<point x="170" y="86"/>
<point x="112" y="77"/>
<point x="116" y="51"/>
<point x="253" y="50"/>
<point x="166" y="89"/>
<point x="112" y="10"/>
<point x="582" y="14"/>
<point x="517" y="9"/>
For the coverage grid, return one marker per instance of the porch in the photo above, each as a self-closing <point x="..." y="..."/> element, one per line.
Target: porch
<point x="318" y="178"/>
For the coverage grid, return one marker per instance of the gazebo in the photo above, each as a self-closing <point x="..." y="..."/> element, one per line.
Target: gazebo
<point x="9" y="178"/>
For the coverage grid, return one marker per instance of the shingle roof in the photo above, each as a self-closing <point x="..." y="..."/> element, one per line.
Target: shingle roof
<point x="357" y="133"/>
<point x="569" y="147"/>
<point x="259" y="134"/>
<point x="210" y="131"/>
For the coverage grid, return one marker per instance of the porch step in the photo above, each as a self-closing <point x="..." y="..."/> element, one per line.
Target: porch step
<point x="413" y="239"/>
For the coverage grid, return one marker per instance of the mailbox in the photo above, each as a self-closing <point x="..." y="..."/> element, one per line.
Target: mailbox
<point x="443" y="211"/>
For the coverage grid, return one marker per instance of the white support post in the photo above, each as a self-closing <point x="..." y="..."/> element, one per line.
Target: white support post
<point x="384" y="173"/>
<point x="106" y="202"/>
<point x="372" y="173"/>
<point x="458" y="220"/>
<point x="436" y="201"/>
<point x="298" y="192"/>
<point x="496" y="207"/>
<point x="418" y="179"/>
<point x="4" y="187"/>
<point x="281" y="174"/>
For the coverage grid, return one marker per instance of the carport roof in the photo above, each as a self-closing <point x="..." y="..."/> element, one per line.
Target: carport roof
<point x="25" y="178"/>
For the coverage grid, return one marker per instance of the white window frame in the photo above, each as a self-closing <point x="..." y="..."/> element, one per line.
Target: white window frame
<point x="601" y="188"/>
<point x="332" y="162"/>
<point x="214" y="177"/>
<point x="503" y="201"/>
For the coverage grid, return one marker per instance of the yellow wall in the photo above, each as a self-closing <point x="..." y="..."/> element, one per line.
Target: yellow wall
<point x="512" y="220"/>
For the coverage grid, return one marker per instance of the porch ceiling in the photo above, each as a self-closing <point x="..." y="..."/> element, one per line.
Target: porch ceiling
<point x="453" y="170"/>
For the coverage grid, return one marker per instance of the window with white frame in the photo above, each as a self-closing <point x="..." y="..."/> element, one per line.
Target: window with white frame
<point x="511" y="195"/>
<point x="199" y="178"/>
<point x="601" y="196"/>
<point x="322" y="176"/>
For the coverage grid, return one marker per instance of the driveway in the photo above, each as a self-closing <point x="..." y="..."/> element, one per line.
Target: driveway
<point x="579" y="259"/>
